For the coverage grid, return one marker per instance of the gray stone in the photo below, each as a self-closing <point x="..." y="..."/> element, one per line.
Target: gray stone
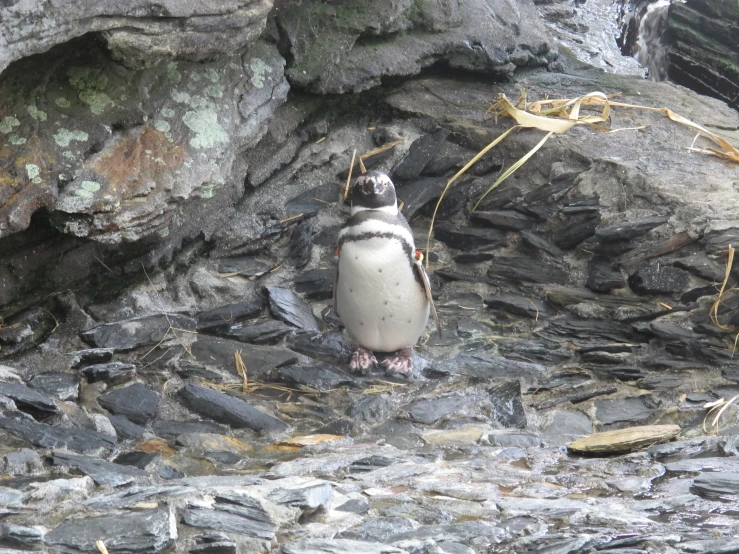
<point x="22" y="462"/>
<point x="28" y="400"/>
<point x="45" y="436"/>
<point x="507" y="405"/>
<point x="145" y="531"/>
<point x="228" y="409"/>
<point x="136" y="402"/>
<point x="625" y="410"/>
<point x="101" y="471"/>
<point x="259" y="360"/>
<point x="113" y="372"/>
<point x="126" y="429"/>
<point x="133" y="333"/>
<point x="310" y="497"/>
<point x="372" y="409"/>
<point x="420" y="153"/>
<point x="432" y="410"/>
<point x="64" y="386"/>
<point x="568" y="424"/>
<point x="289" y="307"/>
<point x="319" y="377"/>
<point x="338" y="546"/>
<point x="21" y="535"/>
<point x="723" y="485"/>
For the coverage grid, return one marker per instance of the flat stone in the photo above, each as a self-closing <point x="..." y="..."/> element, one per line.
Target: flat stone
<point x="26" y="329"/>
<point x="311" y="201"/>
<point x="355" y="506"/>
<point x="338" y="546"/>
<point x="28" y="400"/>
<point x="529" y="270"/>
<point x="323" y="378"/>
<point x="22" y="462"/>
<point x="317" y="284"/>
<point x="625" y="410"/>
<point x="259" y="360"/>
<point x="300" y="244"/>
<point x="602" y="276"/>
<point x="136" y="458"/>
<point x="519" y="305"/>
<point x="624" y="440"/>
<point x="371" y="463"/>
<point x="468" y="238"/>
<point x="658" y="280"/>
<point x="9" y="375"/>
<point x="508" y="220"/>
<point x="125" y="428"/>
<point x="306" y="497"/>
<point x="102" y="472"/>
<point x="136" y="402"/>
<point x="145" y="531"/>
<point x="289" y="307"/>
<point x="484" y="366"/>
<point x="419" y="193"/>
<point x="716" y="485"/>
<point x="569" y="424"/>
<point x="373" y="409"/>
<point x="473" y="257"/>
<point x="539" y="243"/>
<point x="466" y="435"/>
<point x="113" y="372"/>
<point x="169" y="428"/>
<point x="133" y="333"/>
<point x="259" y="331"/>
<point x="79" y="358"/>
<point x="64" y="386"/>
<point x="213" y="543"/>
<point x="228" y="409"/>
<point x="631" y="229"/>
<point x="507" y="405"/>
<point x="421" y="152"/>
<point x="576" y="230"/>
<point x="246" y="266"/>
<point x="46" y="436"/>
<point x="432" y="410"/>
<point x="332" y="347"/>
<point x="701" y="265"/>
<point x="223" y="317"/>
<point x="22" y="536"/>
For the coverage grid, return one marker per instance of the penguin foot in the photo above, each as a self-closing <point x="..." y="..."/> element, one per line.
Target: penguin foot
<point x="362" y="360"/>
<point x="400" y="363"/>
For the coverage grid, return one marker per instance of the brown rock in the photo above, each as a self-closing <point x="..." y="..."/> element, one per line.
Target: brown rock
<point x="623" y="440"/>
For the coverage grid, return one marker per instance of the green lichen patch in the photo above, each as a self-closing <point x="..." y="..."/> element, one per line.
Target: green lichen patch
<point x="7" y="124"/>
<point x="208" y="132"/>
<point x="167" y="112"/>
<point x="37" y="114"/>
<point x="97" y="101"/>
<point x="206" y="191"/>
<point x="215" y="91"/>
<point x="34" y="173"/>
<point x="64" y="136"/>
<point x="258" y="71"/>
<point x="91" y="84"/>
<point x="173" y="74"/>
<point x="16" y="140"/>
<point x="212" y="75"/>
<point x="62" y="102"/>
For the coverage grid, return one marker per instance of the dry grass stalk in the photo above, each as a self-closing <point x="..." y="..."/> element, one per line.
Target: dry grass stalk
<point x="101" y="547"/>
<point x="241" y="370"/>
<point x="722" y="291"/>
<point x="721" y="405"/>
<point x="349" y="177"/>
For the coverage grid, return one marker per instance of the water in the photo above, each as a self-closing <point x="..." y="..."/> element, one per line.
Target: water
<point x="651" y="52"/>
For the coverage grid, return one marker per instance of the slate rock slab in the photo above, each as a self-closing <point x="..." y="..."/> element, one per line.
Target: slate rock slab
<point x="332" y="347"/>
<point x="624" y="440"/>
<point x="28" y="400"/>
<point x="307" y="497"/>
<point x="47" y="436"/>
<point x="136" y="402"/>
<point x="529" y="270"/>
<point x="420" y="153"/>
<point x="628" y="230"/>
<point x="372" y="409"/>
<point x="658" y="280"/>
<point x="318" y="377"/>
<point x="113" y="372"/>
<point x="225" y="316"/>
<point x="144" y="531"/>
<point x="316" y="284"/>
<point x="507" y="405"/>
<point x="289" y="307"/>
<point x="431" y="410"/>
<point x="260" y="331"/>
<point x="64" y="386"/>
<point x="338" y="546"/>
<point x="519" y="305"/>
<point x="101" y="471"/>
<point x="717" y="485"/>
<point x="259" y="360"/>
<point x="468" y="238"/>
<point x="625" y="410"/>
<point x="228" y="409"/>
<point x="125" y="428"/>
<point x="602" y="276"/>
<point x="133" y="333"/>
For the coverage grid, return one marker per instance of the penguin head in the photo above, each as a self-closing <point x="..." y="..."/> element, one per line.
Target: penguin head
<point x="373" y="191"/>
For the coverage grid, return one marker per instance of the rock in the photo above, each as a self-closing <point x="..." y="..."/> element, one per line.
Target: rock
<point x="507" y="405"/>
<point x="246" y="266"/>
<point x="519" y="305"/>
<point x="317" y="284"/>
<point x="223" y="317"/>
<point x="307" y="497"/>
<point x="213" y="543"/>
<point x="372" y="409"/>
<point x="527" y="270"/>
<point x="88" y="356"/>
<point x="322" y="378"/>
<point x="310" y="202"/>
<point x="420" y="192"/>
<point x="702" y="266"/>
<point x="576" y="230"/>
<point x="136" y="332"/>
<point x="45" y="436"/>
<point x="473" y="257"/>
<point x="459" y="436"/>
<point x="22" y="536"/>
<point x="625" y="410"/>
<point x="508" y="220"/>
<point x="236" y="512"/>
<point x="126" y="429"/>
<point x="136" y="402"/>
<point x="136" y="459"/>
<point x="483" y="366"/>
<point x="28" y="400"/>
<point x="538" y="243"/>
<point x="168" y="428"/>
<point x="102" y="472"/>
<point x="716" y="485"/>
<point x="145" y="531"/>
<point x="301" y="243"/>
<point x="227" y="409"/>
<point x="260" y="331"/>
<point x="9" y="375"/>
<point x="567" y="424"/>
<point x="624" y="440"/>
<point x="468" y="238"/>
<point x="338" y="546"/>
<point x="114" y="372"/>
<point x="64" y="386"/>
<point x="658" y="280"/>
<point x="26" y="329"/>
<point x="629" y="230"/>
<point x="420" y="153"/>
<point x="432" y="410"/>
<point x="332" y="347"/>
<point x="259" y="360"/>
<point x="602" y="276"/>
<point x="289" y="307"/>
<point x="701" y="51"/>
<point x="405" y="41"/>
<point x="22" y="462"/>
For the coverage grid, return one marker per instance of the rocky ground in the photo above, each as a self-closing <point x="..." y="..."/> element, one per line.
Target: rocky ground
<point x="193" y="396"/>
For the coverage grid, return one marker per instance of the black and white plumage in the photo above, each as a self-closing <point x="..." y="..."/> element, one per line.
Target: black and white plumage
<point x="381" y="291"/>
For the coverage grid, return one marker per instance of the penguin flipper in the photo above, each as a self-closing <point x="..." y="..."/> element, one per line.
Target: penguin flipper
<point x="424" y="278"/>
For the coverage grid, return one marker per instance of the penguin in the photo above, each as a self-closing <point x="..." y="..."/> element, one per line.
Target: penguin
<point x="381" y="291"/>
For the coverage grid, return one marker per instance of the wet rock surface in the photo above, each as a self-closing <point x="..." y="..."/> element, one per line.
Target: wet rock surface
<point x="191" y="393"/>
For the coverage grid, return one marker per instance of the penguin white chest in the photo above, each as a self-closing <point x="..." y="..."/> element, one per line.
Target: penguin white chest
<point x="381" y="303"/>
